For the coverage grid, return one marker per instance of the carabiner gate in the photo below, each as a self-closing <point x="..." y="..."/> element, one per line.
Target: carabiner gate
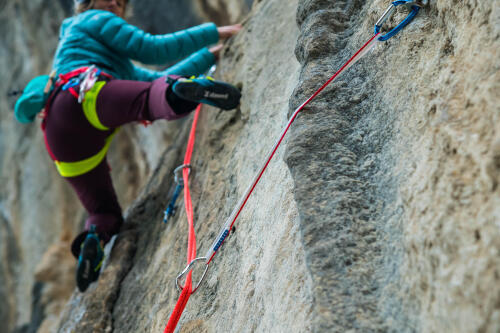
<point x="413" y="5"/>
<point x="178" y="179"/>
<point x="187" y="269"/>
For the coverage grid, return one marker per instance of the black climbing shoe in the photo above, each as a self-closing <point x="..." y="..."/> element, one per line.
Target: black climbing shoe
<point x="89" y="261"/>
<point x="206" y="90"/>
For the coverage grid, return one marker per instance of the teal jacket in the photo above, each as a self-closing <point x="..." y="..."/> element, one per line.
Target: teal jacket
<point x="100" y="37"/>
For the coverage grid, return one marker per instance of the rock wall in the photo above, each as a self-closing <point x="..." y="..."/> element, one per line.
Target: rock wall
<point x="166" y="16"/>
<point x="39" y="213"/>
<point x="259" y="279"/>
<point x="36" y="210"/>
<point x="381" y="212"/>
<point x="396" y="170"/>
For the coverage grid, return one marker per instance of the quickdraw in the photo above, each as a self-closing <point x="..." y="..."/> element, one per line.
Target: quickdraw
<point x="187" y="290"/>
<point x="414" y="6"/>
<point x="88" y="79"/>
<point x="171" y="208"/>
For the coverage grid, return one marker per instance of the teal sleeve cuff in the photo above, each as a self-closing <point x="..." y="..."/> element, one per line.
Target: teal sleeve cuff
<point x="210" y="31"/>
<point x="144" y="74"/>
<point x="196" y="64"/>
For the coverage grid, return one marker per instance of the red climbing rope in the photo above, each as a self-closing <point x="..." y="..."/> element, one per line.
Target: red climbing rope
<point x="191" y="252"/>
<point x="226" y="230"/>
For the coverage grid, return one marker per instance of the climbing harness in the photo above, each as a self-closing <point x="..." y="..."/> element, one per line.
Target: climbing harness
<point x="68" y="82"/>
<point x="171" y="208"/>
<point x="88" y="79"/>
<point x="187" y="290"/>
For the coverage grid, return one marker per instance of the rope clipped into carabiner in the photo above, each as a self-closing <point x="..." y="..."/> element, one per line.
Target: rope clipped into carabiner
<point x="187" y="289"/>
<point x="191" y="252"/>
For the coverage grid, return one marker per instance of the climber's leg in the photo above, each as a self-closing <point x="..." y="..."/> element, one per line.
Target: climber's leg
<point x="97" y="194"/>
<point x="121" y="101"/>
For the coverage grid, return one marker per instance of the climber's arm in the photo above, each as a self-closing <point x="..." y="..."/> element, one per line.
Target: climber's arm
<point x="132" y="42"/>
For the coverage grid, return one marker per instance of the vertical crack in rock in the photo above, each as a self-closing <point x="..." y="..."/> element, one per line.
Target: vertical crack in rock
<point x="332" y="166"/>
<point x="394" y="170"/>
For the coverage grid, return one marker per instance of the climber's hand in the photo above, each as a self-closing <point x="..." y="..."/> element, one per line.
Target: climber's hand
<point x="215" y="50"/>
<point x="229" y="30"/>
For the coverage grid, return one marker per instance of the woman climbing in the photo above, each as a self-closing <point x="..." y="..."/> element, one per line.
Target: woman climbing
<point x="98" y="89"/>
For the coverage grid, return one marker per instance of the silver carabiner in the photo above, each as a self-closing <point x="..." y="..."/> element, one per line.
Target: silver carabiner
<point x="179" y="180"/>
<point x="412" y="5"/>
<point x="87" y="81"/>
<point x="407" y="3"/>
<point x="388" y="13"/>
<point x="187" y="269"/>
<point x="212" y="70"/>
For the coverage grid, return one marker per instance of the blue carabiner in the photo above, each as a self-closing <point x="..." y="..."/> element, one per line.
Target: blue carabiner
<point x="414" y="6"/>
<point x="171" y="209"/>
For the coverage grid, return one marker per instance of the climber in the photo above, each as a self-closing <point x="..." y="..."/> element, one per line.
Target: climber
<point x="98" y="89"/>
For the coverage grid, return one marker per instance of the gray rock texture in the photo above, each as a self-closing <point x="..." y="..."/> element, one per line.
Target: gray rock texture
<point x="395" y="168"/>
<point x="260" y="273"/>
<point x="379" y="213"/>
<point x="34" y="204"/>
<point x="172" y="15"/>
<point x="39" y="213"/>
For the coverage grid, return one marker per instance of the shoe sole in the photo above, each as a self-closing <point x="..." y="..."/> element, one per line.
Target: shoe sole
<point x="85" y="273"/>
<point x="219" y="94"/>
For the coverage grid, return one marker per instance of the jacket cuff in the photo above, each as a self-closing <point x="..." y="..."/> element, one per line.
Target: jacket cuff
<point x="196" y="64"/>
<point x="209" y="30"/>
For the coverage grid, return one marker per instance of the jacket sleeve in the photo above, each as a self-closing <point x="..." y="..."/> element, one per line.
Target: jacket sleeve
<point x="196" y="64"/>
<point x="131" y="42"/>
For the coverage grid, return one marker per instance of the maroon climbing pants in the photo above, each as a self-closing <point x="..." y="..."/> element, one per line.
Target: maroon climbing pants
<point x="72" y="138"/>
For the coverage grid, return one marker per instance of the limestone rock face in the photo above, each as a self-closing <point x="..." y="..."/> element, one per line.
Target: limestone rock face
<point x="379" y="213"/>
<point x="395" y="168"/>
<point x="172" y="15"/>
<point x="36" y="209"/>
<point x="259" y="281"/>
<point x="39" y="213"/>
<point x="223" y="11"/>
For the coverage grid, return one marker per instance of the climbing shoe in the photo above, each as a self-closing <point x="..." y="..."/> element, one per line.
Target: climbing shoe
<point x="89" y="261"/>
<point x="206" y="90"/>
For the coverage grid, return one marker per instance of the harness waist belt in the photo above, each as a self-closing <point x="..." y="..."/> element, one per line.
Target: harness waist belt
<point x="73" y="169"/>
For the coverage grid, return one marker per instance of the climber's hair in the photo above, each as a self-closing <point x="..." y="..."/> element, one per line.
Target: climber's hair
<point x="81" y="7"/>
